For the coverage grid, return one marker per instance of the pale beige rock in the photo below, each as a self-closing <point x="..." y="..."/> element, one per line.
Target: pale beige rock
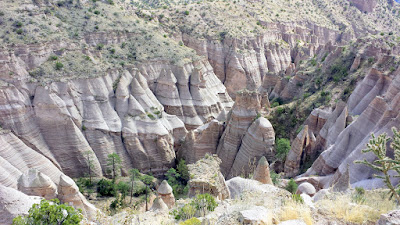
<point x="294" y="157"/>
<point x="205" y="177"/>
<point x="258" y="141"/>
<point x="306" y="188"/>
<point x="165" y="192"/>
<point x="33" y="182"/>
<point x="14" y="203"/>
<point x="261" y="173"/>
<point x="69" y="194"/>
<point x="256" y="215"/>
<point x="159" y="205"/>
<point x="247" y="105"/>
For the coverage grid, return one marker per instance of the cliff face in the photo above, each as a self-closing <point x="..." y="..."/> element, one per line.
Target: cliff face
<point x="139" y="114"/>
<point x="372" y="108"/>
<point x="248" y="62"/>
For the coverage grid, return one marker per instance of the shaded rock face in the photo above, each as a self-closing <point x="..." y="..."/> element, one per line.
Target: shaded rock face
<point x="202" y="140"/>
<point x="205" y="177"/>
<point x="159" y="205"/>
<point x="392" y="217"/>
<point x="143" y="115"/>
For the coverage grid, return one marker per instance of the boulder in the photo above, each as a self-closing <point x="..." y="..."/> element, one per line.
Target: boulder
<point x="261" y="173"/>
<point x="390" y="218"/>
<point x="306" y="188"/>
<point x="238" y="186"/>
<point x="256" y="215"/>
<point x="33" y="182"/>
<point x="321" y="195"/>
<point x="307" y="200"/>
<point x="166" y="194"/>
<point x="205" y="177"/>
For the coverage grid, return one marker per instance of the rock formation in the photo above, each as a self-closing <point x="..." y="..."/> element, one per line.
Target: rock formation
<point x="36" y="183"/>
<point x="159" y="205"/>
<point x="343" y="183"/>
<point x="165" y="192"/>
<point x="392" y="217"/>
<point x="14" y="203"/>
<point x="261" y="173"/>
<point x="205" y="177"/>
<point x="297" y="153"/>
<point x="255" y="215"/>
<point x="69" y="194"/>
<point x="306" y="188"/>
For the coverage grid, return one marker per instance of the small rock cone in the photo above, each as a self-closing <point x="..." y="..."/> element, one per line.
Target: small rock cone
<point x="159" y="205"/>
<point x="262" y="171"/>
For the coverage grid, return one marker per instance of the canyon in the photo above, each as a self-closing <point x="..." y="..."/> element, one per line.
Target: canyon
<point x="156" y="89"/>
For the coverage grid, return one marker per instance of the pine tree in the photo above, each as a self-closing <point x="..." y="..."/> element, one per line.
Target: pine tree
<point x="114" y="163"/>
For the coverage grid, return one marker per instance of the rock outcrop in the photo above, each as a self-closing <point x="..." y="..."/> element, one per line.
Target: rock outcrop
<point x="165" y="193"/>
<point x="159" y="205"/>
<point x="392" y="217"/>
<point x="36" y="183"/>
<point x="261" y="173"/>
<point x="255" y="215"/>
<point x="69" y="194"/>
<point x="14" y="203"/>
<point x="306" y="188"/>
<point x="205" y="177"/>
<point x="365" y="5"/>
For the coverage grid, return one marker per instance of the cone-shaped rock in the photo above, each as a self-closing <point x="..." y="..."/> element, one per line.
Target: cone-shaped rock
<point x="343" y="183"/>
<point x="262" y="171"/>
<point x="159" y="205"/>
<point x="165" y="192"/>
<point x="33" y="182"/>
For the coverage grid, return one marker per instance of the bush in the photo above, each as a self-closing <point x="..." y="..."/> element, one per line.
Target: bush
<point x="200" y="205"/>
<point x="282" y="148"/>
<point x="19" y="31"/>
<point x="53" y="57"/>
<point x="291" y="186"/>
<point x="297" y="198"/>
<point x="47" y="213"/>
<point x="123" y="188"/>
<point x="178" y="178"/>
<point x="59" y="66"/>
<point x="106" y="187"/>
<point x="192" y="221"/>
<point x="186" y="12"/>
<point x="275" y="177"/>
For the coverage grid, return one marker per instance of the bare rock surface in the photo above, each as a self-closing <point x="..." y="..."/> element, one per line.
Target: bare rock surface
<point x="238" y="186"/>
<point x="262" y="173"/>
<point x="205" y="177"/>
<point x="14" y="203"/>
<point x="166" y="195"/>
<point x="306" y="188"/>
<point x="390" y="218"/>
<point x="36" y="183"/>
<point x="256" y="215"/>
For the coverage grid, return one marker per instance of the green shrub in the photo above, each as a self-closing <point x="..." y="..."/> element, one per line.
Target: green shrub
<point x="359" y="195"/>
<point x="186" y="12"/>
<point x="59" y="65"/>
<point x="191" y="221"/>
<point x="178" y="178"/>
<point x="106" y="187"/>
<point x="291" y="186"/>
<point x="123" y="188"/>
<point x="275" y="177"/>
<point x="97" y="12"/>
<point x="297" y="198"/>
<point x="282" y="148"/>
<point x="53" y="57"/>
<point x="19" y="31"/>
<point x="100" y="46"/>
<point x="50" y="212"/>
<point x="200" y="205"/>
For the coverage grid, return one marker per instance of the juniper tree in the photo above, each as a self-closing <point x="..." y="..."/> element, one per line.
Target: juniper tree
<point x="383" y="163"/>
